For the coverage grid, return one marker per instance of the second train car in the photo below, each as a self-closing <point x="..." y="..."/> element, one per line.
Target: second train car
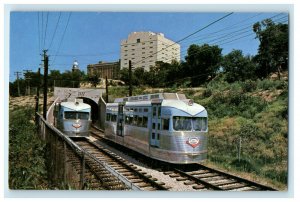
<point x="164" y="126"/>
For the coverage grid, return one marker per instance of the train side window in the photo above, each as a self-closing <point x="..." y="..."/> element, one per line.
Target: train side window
<point x="126" y="119"/>
<point x="145" y="121"/>
<point x="140" y="109"/>
<point x="113" y="118"/>
<point x="165" y="124"/>
<point x="135" y="119"/>
<point x="145" y="109"/>
<point x="159" y="111"/>
<point x="153" y="125"/>
<point x="107" y="117"/>
<point x="135" y="110"/>
<point x="154" y="111"/>
<point x="130" y="120"/>
<point x="140" y="121"/>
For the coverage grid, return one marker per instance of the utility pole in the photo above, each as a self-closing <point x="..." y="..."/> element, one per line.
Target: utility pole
<point x="46" y="61"/>
<point x="27" y="78"/>
<point x="130" y="78"/>
<point x="17" y="74"/>
<point x="106" y="89"/>
<point x="37" y="98"/>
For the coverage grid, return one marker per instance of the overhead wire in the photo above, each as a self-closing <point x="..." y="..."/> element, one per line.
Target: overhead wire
<point x="62" y="38"/>
<point x="46" y="30"/>
<point x="54" y="31"/>
<point x="39" y="37"/>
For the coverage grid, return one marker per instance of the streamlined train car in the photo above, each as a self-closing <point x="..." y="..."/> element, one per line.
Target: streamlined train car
<point x="73" y="118"/>
<point x="164" y="126"/>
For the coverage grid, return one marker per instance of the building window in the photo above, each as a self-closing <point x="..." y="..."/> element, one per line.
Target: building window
<point x="132" y="54"/>
<point x="138" y="40"/>
<point x="143" y="48"/>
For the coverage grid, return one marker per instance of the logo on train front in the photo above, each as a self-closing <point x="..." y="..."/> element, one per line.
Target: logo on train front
<point x="76" y="125"/>
<point x="193" y="141"/>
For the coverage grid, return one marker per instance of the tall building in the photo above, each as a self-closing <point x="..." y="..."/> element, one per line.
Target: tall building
<point x="145" y="48"/>
<point x="103" y="69"/>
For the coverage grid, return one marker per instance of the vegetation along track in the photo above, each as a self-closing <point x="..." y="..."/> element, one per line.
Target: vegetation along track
<point x="128" y="173"/>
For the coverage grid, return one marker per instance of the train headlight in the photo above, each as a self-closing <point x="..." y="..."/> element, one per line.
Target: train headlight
<point x="191" y="102"/>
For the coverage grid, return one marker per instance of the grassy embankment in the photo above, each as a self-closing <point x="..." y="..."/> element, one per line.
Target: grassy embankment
<point x="27" y="168"/>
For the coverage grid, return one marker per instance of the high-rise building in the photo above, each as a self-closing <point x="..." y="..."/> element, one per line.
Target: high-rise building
<point x="146" y="48"/>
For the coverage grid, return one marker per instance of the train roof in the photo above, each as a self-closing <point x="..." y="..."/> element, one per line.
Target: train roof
<point x="173" y="100"/>
<point x="76" y="106"/>
<point x="150" y="97"/>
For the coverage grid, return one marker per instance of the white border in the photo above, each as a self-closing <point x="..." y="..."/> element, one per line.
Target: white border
<point x="217" y="6"/>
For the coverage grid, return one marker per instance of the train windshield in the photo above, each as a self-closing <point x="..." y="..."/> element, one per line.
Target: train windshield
<point x="77" y="115"/>
<point x="181" y="123"/>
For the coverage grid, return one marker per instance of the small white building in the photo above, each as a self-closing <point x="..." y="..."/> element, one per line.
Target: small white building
<point x="145" y="48"/>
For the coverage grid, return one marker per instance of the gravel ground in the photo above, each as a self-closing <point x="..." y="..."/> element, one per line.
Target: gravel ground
<point x="170" y="182"/>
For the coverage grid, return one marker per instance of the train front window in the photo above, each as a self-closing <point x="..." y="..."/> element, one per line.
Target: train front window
<point x="181" y="123"/>
<point x="83" y="115"/>
<point x="70" y="115"/>
<point x="77" y="115"/>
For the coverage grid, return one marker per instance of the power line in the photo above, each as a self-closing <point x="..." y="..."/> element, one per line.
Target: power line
<point x="39" y="37"/>
<point x="60" y="43"/>
<point x="46" y="30"/>
<point x="42" y="33"/>
<point x="54" y="31"/>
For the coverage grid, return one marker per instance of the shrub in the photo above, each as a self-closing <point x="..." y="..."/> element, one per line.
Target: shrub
<point x="248" y="86"/>
<point x="27" y="168"/>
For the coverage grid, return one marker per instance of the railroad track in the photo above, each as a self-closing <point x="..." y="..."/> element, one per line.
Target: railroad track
<point x="129" y="174"/>
<point x="203" y="178"/>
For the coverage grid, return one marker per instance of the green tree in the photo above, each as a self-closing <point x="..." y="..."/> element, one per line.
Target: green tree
<point x="94" y="80"/>
<point x="273" y="48"/>
<point x="202" y="63"/>
<point x="237" y="67"/>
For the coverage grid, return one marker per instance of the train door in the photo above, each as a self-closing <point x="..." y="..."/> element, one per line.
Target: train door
<point x="120" y="120"/>
<point x="155" y="127"/>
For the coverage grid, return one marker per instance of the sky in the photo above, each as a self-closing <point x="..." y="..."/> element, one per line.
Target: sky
<point x="90" y="37"/>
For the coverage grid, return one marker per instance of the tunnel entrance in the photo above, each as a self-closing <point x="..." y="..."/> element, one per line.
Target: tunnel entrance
<point x="94" y="108"/>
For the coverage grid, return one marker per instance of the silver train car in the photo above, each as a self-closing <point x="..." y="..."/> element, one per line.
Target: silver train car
<point x="73" y="118"/>
<point x="164" y="126"/>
